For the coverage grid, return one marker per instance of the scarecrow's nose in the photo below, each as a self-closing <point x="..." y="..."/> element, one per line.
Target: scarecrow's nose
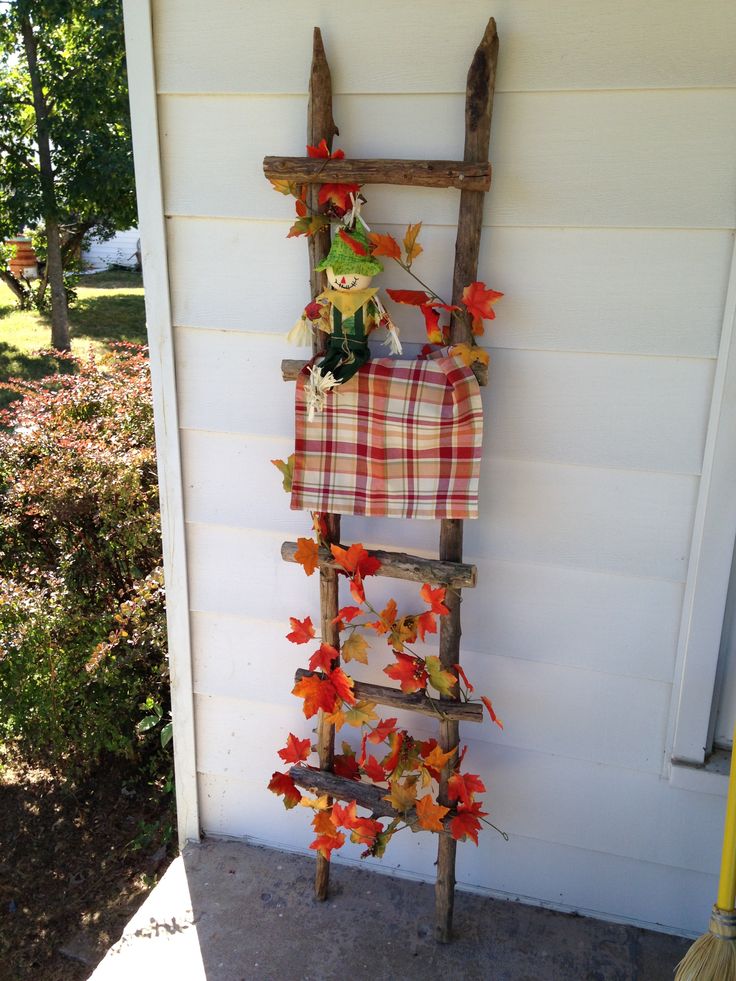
<point x="343" y="280"/>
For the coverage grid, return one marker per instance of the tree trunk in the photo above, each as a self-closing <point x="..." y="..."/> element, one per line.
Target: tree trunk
<point x="54" y="266"/>
<point x="16" y="287"/>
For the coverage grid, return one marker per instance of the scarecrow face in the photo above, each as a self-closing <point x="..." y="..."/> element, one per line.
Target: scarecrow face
<point x="347" y="282"/>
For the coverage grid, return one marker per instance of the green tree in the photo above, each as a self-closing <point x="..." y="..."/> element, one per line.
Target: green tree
<point x="66" y="160"/>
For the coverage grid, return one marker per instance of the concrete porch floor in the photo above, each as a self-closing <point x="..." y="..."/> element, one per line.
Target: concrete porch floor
<point x="230" y="911"/>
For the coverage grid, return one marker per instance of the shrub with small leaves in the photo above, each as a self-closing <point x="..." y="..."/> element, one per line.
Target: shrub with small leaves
<point x="82" y="616"/>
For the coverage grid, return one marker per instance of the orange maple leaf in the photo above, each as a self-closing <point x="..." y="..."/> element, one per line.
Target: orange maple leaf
<point x="409" y="671"/>
<point x="282" y="784"/>
<point x="435" y="598"/>
<point x="413" y="248"/>
<point x="437" y="759"/>
<point x="384" y="729"/>
<point x="430" y="814"/>
<point x="388" y="616"/>
<point x="356" y="559"/>
<point x="337" y="197"/>
<point x="318" y="693"/>
<point x="426" y="624"/>
<point x="296" y="750"/>
<point x="384" y="245"/>
<point x="489" y="706"/>
<point x="322" y="150"/>
<point x="307" y="554"/>
<point x="324" y="824"/>
<point x="479" y="302"/>
<point x="343" y="685"/>
<point x="302" y="631"/>
<point x="390" y="761"/>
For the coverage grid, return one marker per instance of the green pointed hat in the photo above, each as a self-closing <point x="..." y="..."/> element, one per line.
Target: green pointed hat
<point x="344" y="260"/>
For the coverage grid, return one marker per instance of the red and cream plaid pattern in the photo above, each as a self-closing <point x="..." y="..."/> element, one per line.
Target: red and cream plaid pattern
<point x="400" y="439"/>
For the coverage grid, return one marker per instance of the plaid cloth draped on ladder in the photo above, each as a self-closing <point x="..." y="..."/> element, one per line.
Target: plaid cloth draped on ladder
<point x="401" y="439"/>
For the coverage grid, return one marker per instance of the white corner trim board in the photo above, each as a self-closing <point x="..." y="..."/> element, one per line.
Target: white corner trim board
<point x="142" y="83"/>
<point x="710" y="560"/>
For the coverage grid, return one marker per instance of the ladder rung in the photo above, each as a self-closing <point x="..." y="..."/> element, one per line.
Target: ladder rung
<point x="415" y="702"/>
<point x="417" y="173"/>
<point x="326" y="782"/>
<point x="290" y="368"/>
<point x="400" y="565"/>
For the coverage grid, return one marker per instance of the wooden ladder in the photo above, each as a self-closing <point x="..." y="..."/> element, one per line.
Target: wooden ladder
<point x="472" y="176"/>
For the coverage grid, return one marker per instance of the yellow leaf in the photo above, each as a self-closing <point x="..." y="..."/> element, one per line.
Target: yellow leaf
<point x="443" y="681"/>
<point x="336" y="719"/>
<point x="360" y="714"/>
<point x="316" y="803"/>
<point x="413" y="249"/>
<point x="355" y="648"/>
<point x="286" y="467"/>
<point x="403" y="795"/>
<point x="469" y="353"/>
<point x="438" y="759"/>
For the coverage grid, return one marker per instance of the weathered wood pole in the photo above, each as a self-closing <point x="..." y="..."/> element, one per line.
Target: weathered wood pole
<point x="478" y="110"/>
<point x="321" y="126"/>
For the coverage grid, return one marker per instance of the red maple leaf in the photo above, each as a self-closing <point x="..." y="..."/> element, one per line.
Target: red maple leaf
<point x="373" y="770"/>
<point x="282" y="784"/>
<point x="384" y="729"/>
<point x="322" y="150"/>
<point x="356" y="559"/>
<point x="343" y="685"/>
<point x="466" y="822"/>
<point x="296" y="750"/>
<point x="318" y="693"/>
<point x="323" y="657"/>
<point x="347" y="614"/>
<point x="462" y="675"/>
<point x="409" y="671"/>
<point x="345" y="765"/>
<point x="414" y="298"/>
<point x="326" y="844"/>
<point x="426" y="624"/>
<point x="435" y="598"/>
<point x="463" y="787"/>
<point x="391" y="760"/>
<point x="489" y="706"/>
<point x="337" y="197"/>
<point x="302" y="631"/>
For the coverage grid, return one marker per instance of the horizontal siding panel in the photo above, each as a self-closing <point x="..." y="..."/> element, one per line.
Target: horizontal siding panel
<point x="635" y="158"/>
<point x="266" y="47"/>
<point x="612" y="290"/>
<point x="530" y="794"/>
<point x="571" y="712"/>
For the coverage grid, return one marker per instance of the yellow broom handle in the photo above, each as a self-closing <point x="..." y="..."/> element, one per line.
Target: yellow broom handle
<point x="727" y="880"/>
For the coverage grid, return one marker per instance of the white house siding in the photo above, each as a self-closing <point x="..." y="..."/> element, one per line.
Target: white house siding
<point x="120" y="250"/>
<point x="609" y="227"/>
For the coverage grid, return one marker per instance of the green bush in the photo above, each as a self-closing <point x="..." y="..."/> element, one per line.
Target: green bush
<point x="82" y="618"/>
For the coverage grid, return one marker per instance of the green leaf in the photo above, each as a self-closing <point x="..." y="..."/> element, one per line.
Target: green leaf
<point x="148" y="723"/>
<point x="443" y="681"/>
<point x="166" y="733"/>
<point x="287" y="471"/>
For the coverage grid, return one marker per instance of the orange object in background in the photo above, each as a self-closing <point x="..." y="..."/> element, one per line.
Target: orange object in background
<point x="24" y="262"/>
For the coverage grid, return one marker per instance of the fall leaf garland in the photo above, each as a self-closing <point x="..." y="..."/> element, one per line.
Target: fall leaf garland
<point x="407" y="769"/>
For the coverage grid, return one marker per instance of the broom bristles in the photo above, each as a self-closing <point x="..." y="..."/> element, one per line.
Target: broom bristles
<point x="713" y="956"/>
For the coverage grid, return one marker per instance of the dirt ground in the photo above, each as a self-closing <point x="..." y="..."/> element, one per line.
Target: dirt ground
<point x="76" y="861"/>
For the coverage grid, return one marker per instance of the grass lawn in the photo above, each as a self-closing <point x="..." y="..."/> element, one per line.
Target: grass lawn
<point x="109" y="308"/>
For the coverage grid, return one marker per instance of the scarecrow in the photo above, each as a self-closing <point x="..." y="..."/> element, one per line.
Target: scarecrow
<point x="348" y="311"/>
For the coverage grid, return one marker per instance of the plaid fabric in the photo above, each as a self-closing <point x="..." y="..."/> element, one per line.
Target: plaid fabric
<point x="400" y="439"/>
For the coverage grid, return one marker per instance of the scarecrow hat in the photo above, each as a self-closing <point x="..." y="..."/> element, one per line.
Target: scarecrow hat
<point x="345" y="260"/>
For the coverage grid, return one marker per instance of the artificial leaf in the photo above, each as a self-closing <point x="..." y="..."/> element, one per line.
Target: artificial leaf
<point x="355" y="648"/>
<point x="318" y="693"/>
<point x="469" y="354"/>
<point x="443" y="681"/>
<point x="302" y="631"/>
<point x="403" y="631"/>
<point x="337" y="197"/>
<point x="296" y="750"/>
<point x="364" y="831"/>
<point x="414" y="298"/>
<point x="466" y="823"/>
<point x="336" y="719"/>
<point x="323" y="824"/>
<point x="435" y="598"/>
<point x="361" y="714"/>
<point x="326" y="844"/>
<point x="432" y="323"/>
<point x="307" y="225"/>
<point x="402" y="796"/>
<point x="412" y="247"/>
<point x="461" y="674"/>
<point x="409" y="671"/>
<point x="373" y="770"/>
<point x="322" y="150"/>
<point x="284" y="186"/>
<point x="286" y="468"/>
<point x="316" y="803"/>
<point x="430" y="814"/>
<point x="463" y="786"/>
<point x="384" y="245"/>
<point x="343" y="685"/>
<point x="356" y="559"/>
<point x="346" y="766"/>
<point x="426" y="624"/>
<point x="479" y="302"/>
<point x="346" y="614"/>
<point x="382" y="731"/>
<point x="357" y="247"/>
<point x="436" y="759"/>
<point x="307" y="554"/>
<point x="323" y="657"/>
<point x="391" y="760"/>
<point x="282" y="785"/>
<point x="489" y="706"/>
<point x="388" y="616"/>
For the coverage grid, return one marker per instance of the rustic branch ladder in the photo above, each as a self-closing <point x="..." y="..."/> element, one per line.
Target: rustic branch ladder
<point x="472" y="176"/>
